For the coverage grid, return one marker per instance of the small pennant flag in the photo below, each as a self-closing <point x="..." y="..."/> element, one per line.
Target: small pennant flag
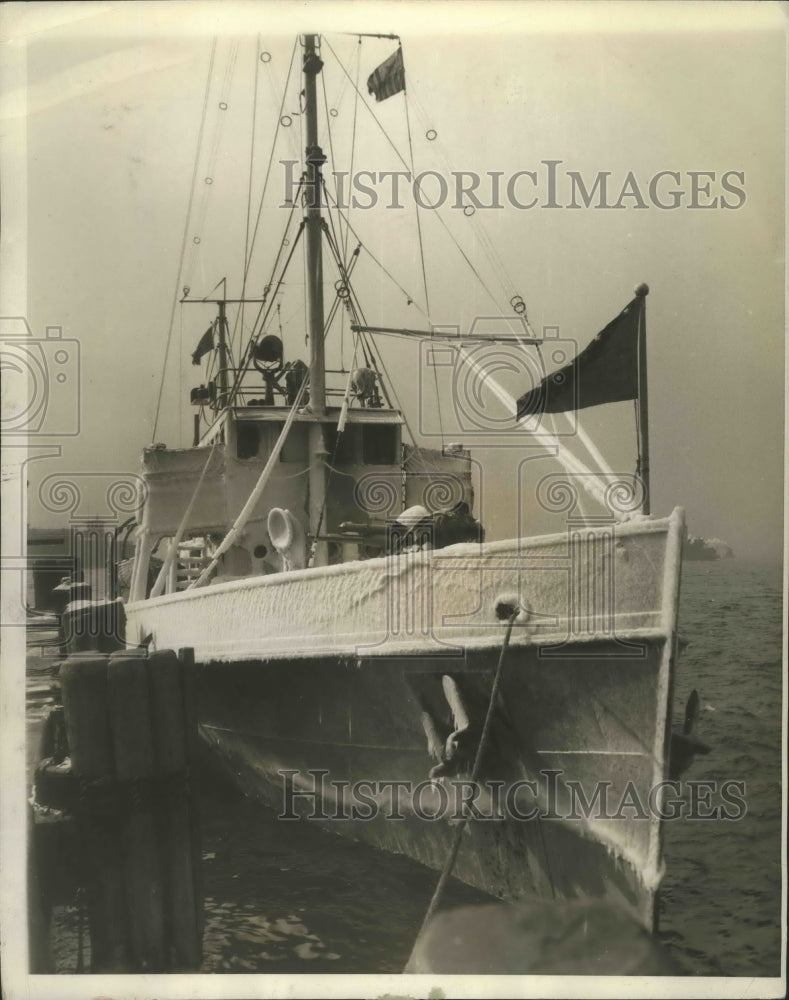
<point x="206" y="344"/>
<point x="389" y="78"/>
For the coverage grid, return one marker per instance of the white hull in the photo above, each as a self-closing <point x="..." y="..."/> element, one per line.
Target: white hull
<point x="591" y="582"/>
<point x="340" y="667"/>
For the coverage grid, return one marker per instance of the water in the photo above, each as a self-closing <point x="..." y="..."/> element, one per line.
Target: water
<point x="721" y="898"/>
<point x="294" y="899"/>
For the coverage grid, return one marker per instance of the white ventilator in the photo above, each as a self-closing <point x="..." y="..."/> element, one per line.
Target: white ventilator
<point x="287" y="537"/>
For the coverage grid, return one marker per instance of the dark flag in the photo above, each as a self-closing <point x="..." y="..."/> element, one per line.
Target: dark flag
<point x="389" y="78"/>
<point x="206" y="344"/>
<point x="606" y="371"/>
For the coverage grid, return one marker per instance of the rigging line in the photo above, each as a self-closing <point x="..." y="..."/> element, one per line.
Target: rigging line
<point x="366" y="105"/>
<point x="244" y="366"/>
<point x="251" y="246"/>
<point x="330" y="218"/>
<point x="205" y="297"/>
<point x="185" y="236"/>
<point x="422" y="256"/>
<point x="357" y="313"/>
<point x="496" y="259"/>
<point x="270" y="161"/>
<point x="274" y="268"/>
<point x="314" y="546"/>
<point x="332" y="469"/>
<point x="438" y="215"/>
<point x="172" y="551"/>
<point x="380" y="366"/>
<point x="400" y="157"/>
<point x="224" y="94"/>
<point x="333" y="241"/>
<point x="416" y="204"/>
<point x="240" y="315"/>
<point x="340" y="95"/>
<point x="254" y="497"/>
<point x="465" y="257"/>
<point x="375" y="260"/>
<point x="328" y="120"/>
<point x="457" y="836"/>
<point x="345" y="275"/>
<point x="346" y="231"/>
<point x="367" y="351"/>
<point x="334" y="232"/>
<point x="353" y="139"/>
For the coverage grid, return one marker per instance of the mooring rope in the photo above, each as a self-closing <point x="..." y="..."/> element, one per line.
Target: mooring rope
<point x="449" y="864"/>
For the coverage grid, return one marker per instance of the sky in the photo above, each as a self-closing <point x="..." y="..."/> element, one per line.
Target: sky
<point x="101" y="114"/>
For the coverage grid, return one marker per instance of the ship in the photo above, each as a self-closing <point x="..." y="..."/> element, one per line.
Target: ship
<point x="706" y="549"/>
<point x="363" y="654"/>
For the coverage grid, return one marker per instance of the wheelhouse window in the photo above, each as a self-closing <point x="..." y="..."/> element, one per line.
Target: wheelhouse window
<point x="295" y="447"/>
<point x="247" y="440"/>
<point x="343" y="448"/>
<point x="380" y="444"/>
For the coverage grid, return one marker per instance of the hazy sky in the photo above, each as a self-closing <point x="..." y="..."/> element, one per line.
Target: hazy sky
<point x="114" y="97"/>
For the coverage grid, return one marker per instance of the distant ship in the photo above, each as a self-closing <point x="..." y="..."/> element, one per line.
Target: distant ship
<point x="706" y="549"/>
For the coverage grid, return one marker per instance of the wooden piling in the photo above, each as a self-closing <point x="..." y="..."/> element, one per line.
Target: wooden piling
<point x="171" y="742"/>
<point x="131" y="732"/>
<point x="83" y="679"/>
<point x="186" y="658"/>
<point x="131" y="724"/>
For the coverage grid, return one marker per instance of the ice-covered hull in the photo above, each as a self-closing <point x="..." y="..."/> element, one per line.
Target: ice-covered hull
<point x="364" y="671"/>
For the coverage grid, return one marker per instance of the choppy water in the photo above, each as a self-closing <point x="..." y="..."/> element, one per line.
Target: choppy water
<point x="721" y="897"/>
<point x="295" y="899"/>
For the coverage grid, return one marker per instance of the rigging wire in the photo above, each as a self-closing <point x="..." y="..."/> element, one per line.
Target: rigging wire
<point x="265" y="183"/>
<point x="416" y="203"/>
<point x="185" y="236"/>
<point x="346" y="231"/>
<point x="353" y="306"/>
<point x="240" y="314"/>
<point x="376" y="261"/>
<point x="353" y="137"/>
<point x="480" y="231"/>
<point x="438" y="215"/>
<point x="422" y="254"/>
<point x="260" y="324"/>
<point x="366" y="105"/>
<point x="334" y="164"/>
<point x="202" y="207"/>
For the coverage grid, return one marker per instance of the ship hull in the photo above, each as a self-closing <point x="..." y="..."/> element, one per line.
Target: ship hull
<point x="319" y="722"/>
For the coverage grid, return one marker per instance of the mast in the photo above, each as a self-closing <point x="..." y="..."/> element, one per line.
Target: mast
<point x="314" y="160"/>
<point x="642" y="469"/>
